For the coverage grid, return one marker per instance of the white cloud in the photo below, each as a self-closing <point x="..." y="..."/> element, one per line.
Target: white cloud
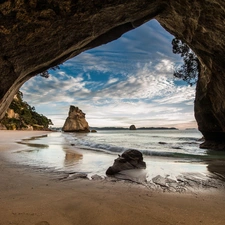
<point x="112" y="80"/>
<point x="146" y="98"/>
<point x="164" y="67"/>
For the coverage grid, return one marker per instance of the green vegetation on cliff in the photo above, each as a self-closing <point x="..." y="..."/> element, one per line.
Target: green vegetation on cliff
<point x="21" y="116"/>
<point x="190" y="69"/>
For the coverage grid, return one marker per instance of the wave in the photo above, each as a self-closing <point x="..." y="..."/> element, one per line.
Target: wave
<point x="177" y="155"/>
<point x="180" y="147"/>
<point x="85" y="144"/>
<point x="111" y="149"/>
<point x="189" y="139"/>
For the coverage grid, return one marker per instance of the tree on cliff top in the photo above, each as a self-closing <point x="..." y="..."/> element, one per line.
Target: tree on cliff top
<point x="46" y="74"/>
<point x="190" y="70"/>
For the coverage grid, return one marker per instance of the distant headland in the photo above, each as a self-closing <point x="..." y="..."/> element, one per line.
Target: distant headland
<point x="141" y="128"/>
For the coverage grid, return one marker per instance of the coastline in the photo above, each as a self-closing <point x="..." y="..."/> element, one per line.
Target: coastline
<point x="31" y="196"/>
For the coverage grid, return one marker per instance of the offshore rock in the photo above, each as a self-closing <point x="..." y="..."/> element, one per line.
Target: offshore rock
<point x="130" y="159"/>
<point x="132" y="127"/>
<point x="76" y="121"/>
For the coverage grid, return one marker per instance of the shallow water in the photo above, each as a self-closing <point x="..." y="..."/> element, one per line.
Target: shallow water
<point x="93" y="153"/>
<point x="149" y="142"/>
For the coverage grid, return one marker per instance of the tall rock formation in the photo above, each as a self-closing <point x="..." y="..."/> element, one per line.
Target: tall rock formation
<point x="37" y="35"/>
<point x="76" y="121"/>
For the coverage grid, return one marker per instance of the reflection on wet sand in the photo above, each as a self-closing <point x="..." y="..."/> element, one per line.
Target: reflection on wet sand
<point x="216" y="163"/>
<point x="27" y="142"/>
<point x="217" y="168"/>
<point x="71" y="158"/>
<point x="34" y="145"/>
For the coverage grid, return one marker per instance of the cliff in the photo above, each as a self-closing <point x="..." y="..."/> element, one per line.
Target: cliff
<point x="21" y="116"/>
<point x="36" y="35"/>
<point x="76" y="121"/>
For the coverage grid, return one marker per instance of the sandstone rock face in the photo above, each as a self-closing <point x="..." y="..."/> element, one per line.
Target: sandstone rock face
<point x="76" y="121"/>
<point x="36" y="35"/>
<point x="201" y="31"/>
<point x="132" y="127"/>
<point x="2" y="127"/>
<point x="130" y="159"/>
<point x="11" y="114"/>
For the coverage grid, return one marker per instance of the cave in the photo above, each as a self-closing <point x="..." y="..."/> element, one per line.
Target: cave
<point x="39" y="34"/>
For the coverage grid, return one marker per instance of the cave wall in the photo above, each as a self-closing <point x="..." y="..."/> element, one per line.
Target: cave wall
<point x="201" y="25"/>
<point x="38" y="34"/>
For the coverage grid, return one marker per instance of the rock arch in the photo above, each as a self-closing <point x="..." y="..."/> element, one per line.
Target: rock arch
<point x="38" y="34"/>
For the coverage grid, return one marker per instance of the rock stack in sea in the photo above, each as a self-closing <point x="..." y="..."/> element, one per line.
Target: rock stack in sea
<point x="132" y="127"/>
<point x="130" y="159"/>
<point x="76" y="121"/>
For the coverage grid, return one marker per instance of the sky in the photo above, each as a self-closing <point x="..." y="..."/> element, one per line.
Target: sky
<point x="127" y="81"/>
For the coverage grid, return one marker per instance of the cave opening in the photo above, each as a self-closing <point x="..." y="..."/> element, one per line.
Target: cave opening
<point x="127" y="81"/>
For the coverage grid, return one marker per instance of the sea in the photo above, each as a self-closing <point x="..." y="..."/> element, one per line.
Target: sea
<point x="166" y="152"/>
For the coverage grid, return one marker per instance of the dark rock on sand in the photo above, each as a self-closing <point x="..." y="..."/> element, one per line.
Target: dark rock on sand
<point x="160" y="181"/>
<point x="132" y="127"/>
<point x="186" y="182"/>
<point x="93" y="131"/>
<point x="130" y="159"/>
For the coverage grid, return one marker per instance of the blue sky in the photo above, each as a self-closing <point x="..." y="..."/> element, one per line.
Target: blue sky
<point x="127" y="81"/>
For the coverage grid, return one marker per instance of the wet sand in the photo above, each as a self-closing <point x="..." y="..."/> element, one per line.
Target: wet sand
<point x="32" y="196"/>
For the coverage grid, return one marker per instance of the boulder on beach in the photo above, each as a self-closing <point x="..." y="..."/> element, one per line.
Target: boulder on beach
<point x="130" y="159"/>
<point x="76" y="121"/>
<point x="132" y="127"/>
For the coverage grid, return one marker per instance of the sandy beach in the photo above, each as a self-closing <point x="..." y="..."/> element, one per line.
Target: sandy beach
<point x="31" y="196"/>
